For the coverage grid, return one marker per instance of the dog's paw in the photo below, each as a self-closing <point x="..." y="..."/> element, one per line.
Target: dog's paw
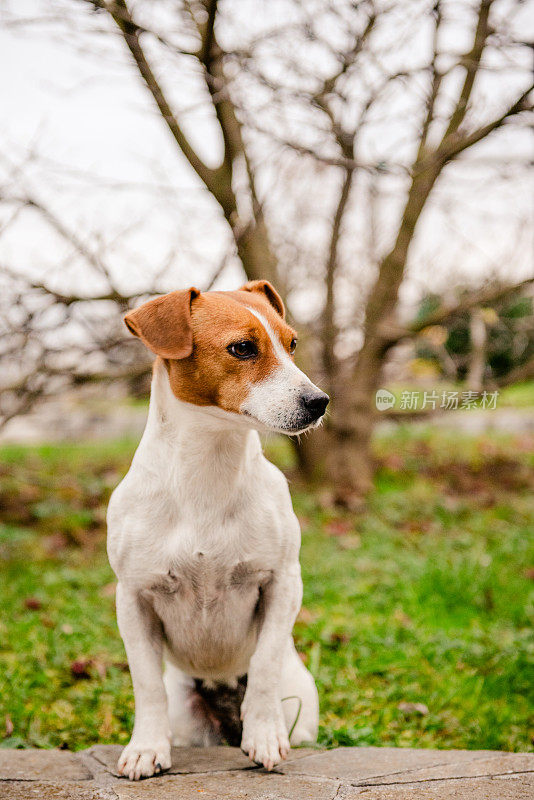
<point x="140" y="760"/>
<point x="265" y="741"/>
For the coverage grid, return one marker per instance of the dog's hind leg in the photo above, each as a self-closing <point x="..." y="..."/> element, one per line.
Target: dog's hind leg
<point x="300" y="701"/>
<point x="190" y="725"/>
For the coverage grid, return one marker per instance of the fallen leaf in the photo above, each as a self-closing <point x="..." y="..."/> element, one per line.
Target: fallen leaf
<point x="80" y="668"/>
<point x="32" y="603"/>
<point x="55" y="543"/>
<point x="413" y="708"/>
<point x="402" y="618"/>
<point x="394" y="462"/>
<point x="326" y="498"/>
<point x="306" y="616"/>
<point x="338" y="527"/>
<point x="339" y="638"/>
<point x="99" y="667"/>
<point x="349" y="542"/>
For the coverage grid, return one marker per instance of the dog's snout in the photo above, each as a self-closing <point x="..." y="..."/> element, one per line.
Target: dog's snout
<point x="315" y="403"/>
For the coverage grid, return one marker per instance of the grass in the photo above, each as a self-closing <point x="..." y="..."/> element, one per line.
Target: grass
<point x="417" y="612"/>
<point x="519" y="395"/>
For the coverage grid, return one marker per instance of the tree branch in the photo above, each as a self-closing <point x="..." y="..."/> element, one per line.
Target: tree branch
<point x="121" y="15"/>
<point x="208" y="35"/>
<point x="328" y="316"/>
<point x="457" y="144"/>
<point x="71" y="299"/>
<point x="523" y="372"/>
<point x="66" y="233"/>
<point x="483" y="297"/>
<point x="471" y="61"/>
<point x="437" y="76"/>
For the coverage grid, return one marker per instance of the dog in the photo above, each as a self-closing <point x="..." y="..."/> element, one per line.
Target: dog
<point x="203" y="538"/>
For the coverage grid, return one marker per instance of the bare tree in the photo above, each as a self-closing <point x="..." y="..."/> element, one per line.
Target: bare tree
<point x="448" y="125"/>
<point x="53" y="339"/>
<point x="355" y="407"/>
<point x="249" y="230"/>
<point x="340" y="69"/>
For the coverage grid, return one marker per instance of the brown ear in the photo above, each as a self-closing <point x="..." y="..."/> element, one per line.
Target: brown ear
<point x="270" y="293"/>
<point x="164" y="324"/>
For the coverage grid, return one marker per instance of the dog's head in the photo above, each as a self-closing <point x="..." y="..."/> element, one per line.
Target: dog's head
<point x="234" y="351"/>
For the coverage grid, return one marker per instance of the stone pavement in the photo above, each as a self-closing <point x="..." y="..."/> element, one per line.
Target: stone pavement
<point x="366" y="773"/>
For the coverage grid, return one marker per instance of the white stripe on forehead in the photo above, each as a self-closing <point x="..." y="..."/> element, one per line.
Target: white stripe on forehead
<point x="275" y="341"/>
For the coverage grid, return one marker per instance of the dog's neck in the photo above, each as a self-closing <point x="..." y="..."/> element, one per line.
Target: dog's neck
<point x="194" y="446"/>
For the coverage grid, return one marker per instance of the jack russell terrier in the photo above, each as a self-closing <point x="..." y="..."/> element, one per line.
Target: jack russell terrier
<point x="203" y="538"/>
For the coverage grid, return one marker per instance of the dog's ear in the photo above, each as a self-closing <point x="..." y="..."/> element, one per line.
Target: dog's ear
<point x="268" y="290"/>
<point x="164" y="324"/>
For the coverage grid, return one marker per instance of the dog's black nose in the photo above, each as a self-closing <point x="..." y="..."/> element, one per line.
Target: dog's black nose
<point x="315" y="403"/>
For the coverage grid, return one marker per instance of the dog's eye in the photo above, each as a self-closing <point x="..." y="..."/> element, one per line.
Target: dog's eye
<point x="244" y="349"/>
<point x="292" y="346"/>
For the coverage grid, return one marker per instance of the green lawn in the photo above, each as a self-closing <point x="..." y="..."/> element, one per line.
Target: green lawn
<point x="424" y="598"/>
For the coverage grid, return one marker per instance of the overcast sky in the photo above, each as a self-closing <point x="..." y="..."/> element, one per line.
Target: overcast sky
<point x="86" y="114"/>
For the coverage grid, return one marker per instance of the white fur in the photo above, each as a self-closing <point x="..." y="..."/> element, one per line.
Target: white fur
<point x="199" y="506"/>
<point x="275" y="402"/>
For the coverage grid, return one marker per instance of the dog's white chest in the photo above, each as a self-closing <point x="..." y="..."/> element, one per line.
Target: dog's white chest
<point x="210" y="611"/>
<point x="202" y="580"/>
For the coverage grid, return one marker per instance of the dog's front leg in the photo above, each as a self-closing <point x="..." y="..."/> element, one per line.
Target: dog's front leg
<point x="149" y="750"/>
<point x="265" y="736"/>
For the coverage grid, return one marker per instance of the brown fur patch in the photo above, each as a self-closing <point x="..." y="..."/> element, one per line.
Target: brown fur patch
<point x="211" y="375"/>
<point x="269" y="292"/>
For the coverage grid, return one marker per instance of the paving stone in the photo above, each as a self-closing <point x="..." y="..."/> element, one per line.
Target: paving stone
<point x="516" y="787"/>
<point x="37" y="790"/>
<point x="224" y="773"/>
<point x="44" y="765"/>
<point x="380" y="765"/>
<point x="479" y="764"/>
<point x="250" y="784"/>
<point x="192" y="759"/>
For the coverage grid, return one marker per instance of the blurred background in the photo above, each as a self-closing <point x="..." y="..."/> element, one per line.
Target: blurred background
<point x="374" y="161"/>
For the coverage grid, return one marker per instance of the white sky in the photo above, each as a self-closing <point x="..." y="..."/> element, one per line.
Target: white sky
<point x="86" y="113"/>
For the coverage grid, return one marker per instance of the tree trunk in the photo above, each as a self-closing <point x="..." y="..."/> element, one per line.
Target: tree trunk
<point x="355" y="416"/>
<point x="310" y="451"/>
<point x="328" y="321"/>
<point x="477" y="359"/>
<point x="255" y="251"/>
<point x="350" y="464"/>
